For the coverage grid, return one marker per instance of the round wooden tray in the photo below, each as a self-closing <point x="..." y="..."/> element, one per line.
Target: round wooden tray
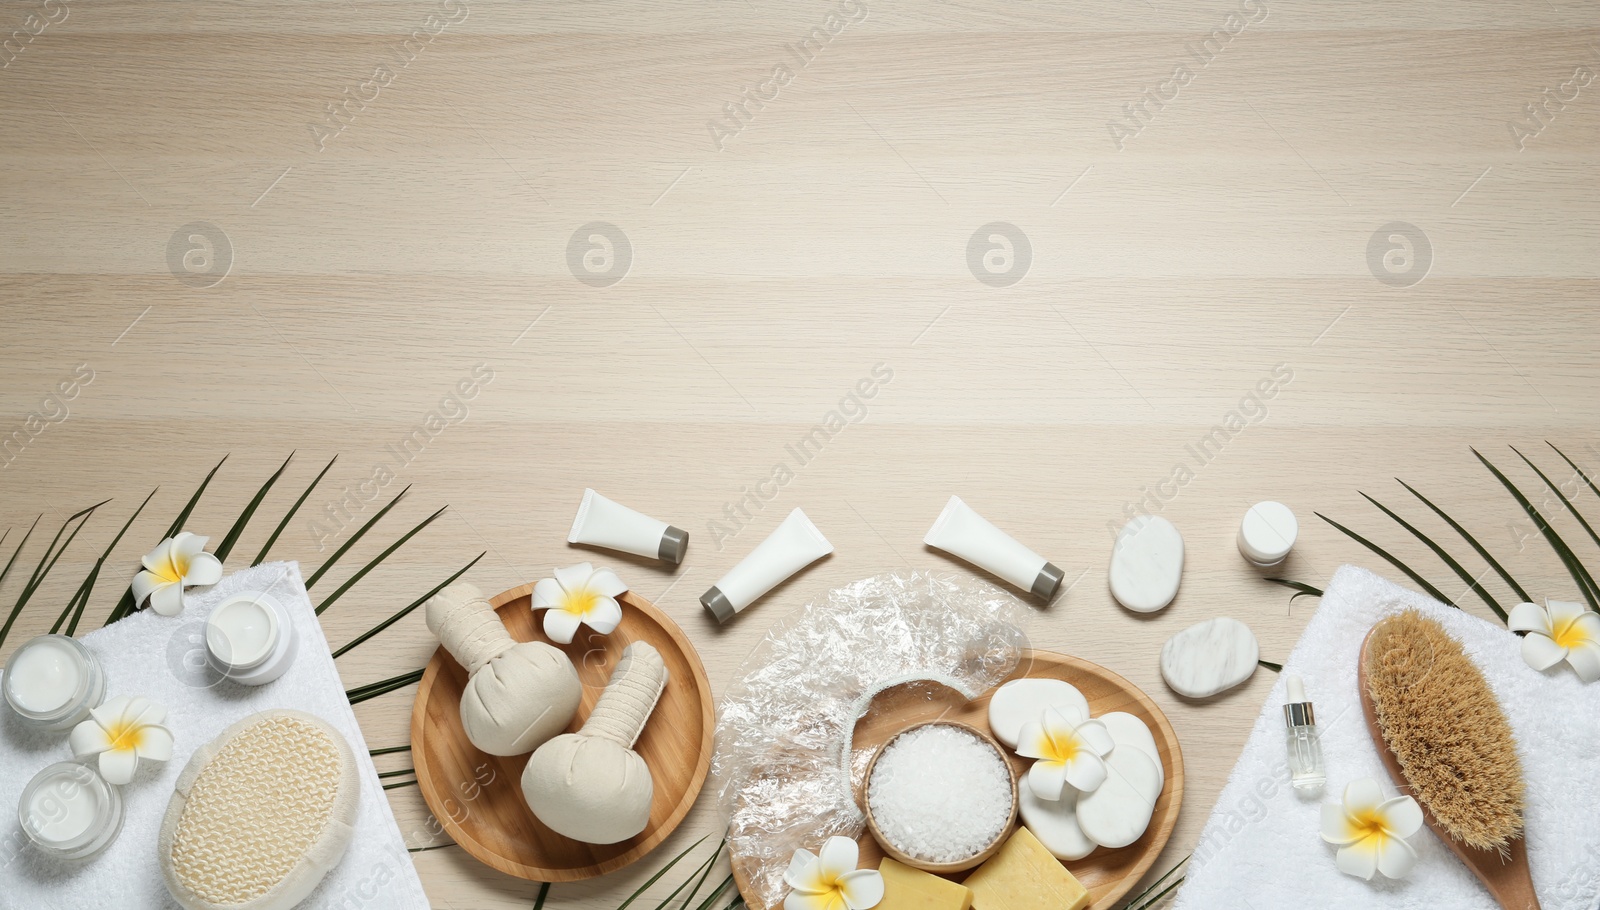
<point x="1108" y="874"/>
<point x="477" y="797"/>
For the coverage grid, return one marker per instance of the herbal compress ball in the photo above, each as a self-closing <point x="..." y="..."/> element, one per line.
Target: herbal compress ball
<point x="519" y="694"/>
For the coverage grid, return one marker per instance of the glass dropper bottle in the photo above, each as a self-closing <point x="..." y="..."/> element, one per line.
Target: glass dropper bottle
<point x="1305" y="751"/>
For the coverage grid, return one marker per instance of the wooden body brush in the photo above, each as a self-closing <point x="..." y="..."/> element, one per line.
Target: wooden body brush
<point x="1445" y="739"/>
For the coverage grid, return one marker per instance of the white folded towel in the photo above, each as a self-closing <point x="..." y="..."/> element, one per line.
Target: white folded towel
<point x="163" y="658"/>
<point x="1262" y="846"/>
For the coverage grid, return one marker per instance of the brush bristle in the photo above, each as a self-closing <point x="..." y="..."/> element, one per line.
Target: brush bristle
<point x="1444" y="725"/>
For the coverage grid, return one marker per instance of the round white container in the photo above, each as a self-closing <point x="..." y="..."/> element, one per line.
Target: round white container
<point x="53" y="681"/>
<point x="250" y="638"/>
<point x="1267" y="533"/>
<point x="69" y="811"/>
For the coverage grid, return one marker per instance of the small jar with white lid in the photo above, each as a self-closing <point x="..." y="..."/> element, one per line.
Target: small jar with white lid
<point x="1268" y="533"/>
<point x="53" y="682"/>
<point x="69" y="811"/>
<point x="250" y="638"/>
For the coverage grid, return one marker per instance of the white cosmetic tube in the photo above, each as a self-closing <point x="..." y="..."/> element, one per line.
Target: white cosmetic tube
<point x="962" y="532"/>
<point x="603" y="523"/>
<point x="793" y="545"/>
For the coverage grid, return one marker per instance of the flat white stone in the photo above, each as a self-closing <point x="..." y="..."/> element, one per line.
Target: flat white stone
<point x="1054" y="822"/>
<point x="1024" y="701"/>
<point x="1129" y="732"/>
<point x="1118" y="811"/>
<point x="1146" y="564"/>
<point x="1209" y="657"/>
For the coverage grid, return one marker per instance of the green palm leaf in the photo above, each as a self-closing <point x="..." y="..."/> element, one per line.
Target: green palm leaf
<point x="80" y="600"/>
<point x="1472" y="541"/>
<point x="1433" y="592"/>
<point x="1440" y="552"/>
<point x="188" y="507"/>
<point x="1276" y="668"/>
<point x="1579" y="471"/>
<point x="232" y="537"/>
<point x="349" y="583"/>
<point x="657" y="877"/>
<point x="699" y="876"/>
<point x="360" y="532"/>
<point x="1302" y="589"/>
<point x="382" y="687"/>
<point x="406" y="610"/>
<point x="1571" y="507"/>
<point x="1574" y="568"/>
<point x="544" y="891"/>
<point x="288" y="516"/>
<point x="7" y="571"/>
<point x="52" y="555"/>
<point x="1144" y="900"/>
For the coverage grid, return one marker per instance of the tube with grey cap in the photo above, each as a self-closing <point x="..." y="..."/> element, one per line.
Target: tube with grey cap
<point x="962" y="532"/>
<point x="603" y="523"/>
<point x="793" y="545"/>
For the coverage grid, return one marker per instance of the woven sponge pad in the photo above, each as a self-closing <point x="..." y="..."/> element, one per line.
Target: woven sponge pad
<point x="260" y="814"/>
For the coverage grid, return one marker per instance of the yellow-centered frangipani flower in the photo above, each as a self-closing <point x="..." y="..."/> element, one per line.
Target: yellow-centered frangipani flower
<point x="1371" y="831"/>
<point x="579" y="594"/>
<point x="175" y="563"/>
<point x="120" y="732"/>
<point x="831" y="881"/>
<point x="1068" y="749"/>
<point x="1559" y="631"/>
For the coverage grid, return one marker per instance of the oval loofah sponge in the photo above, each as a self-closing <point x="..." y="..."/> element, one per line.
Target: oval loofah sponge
<point x="260" y="814"/>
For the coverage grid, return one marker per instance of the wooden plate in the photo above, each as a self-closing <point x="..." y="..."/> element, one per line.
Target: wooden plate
<point x="1108" y="874"/>
<point x="477" y="797"/>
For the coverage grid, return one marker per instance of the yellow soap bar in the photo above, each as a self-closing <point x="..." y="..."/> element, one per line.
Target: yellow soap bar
<point x="1024" y="876"/>
<point x="905" y="888"/>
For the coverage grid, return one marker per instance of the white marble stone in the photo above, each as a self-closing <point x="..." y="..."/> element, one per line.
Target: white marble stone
<point x="1054" y="822"/>
<point x="1209" y="657"/>
<point x="1130" y="732"/>
<point x="1024" y="701"/>
<point x="1118" y="811"/>
<point x="1146" y="564"/>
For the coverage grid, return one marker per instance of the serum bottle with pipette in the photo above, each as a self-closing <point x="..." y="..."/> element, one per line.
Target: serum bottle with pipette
<point x="1305" y="750"/>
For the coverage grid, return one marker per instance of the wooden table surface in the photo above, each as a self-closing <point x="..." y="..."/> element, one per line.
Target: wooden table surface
<point x="661" y="241"/>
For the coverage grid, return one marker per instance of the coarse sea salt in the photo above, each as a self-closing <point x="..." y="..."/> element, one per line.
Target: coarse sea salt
<point x="940" y="794"/>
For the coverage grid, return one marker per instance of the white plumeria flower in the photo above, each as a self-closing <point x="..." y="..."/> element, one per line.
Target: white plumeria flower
<point x="1069" y="749"/>
<point x="831" y="881"/>
<point x="176" y="563"/>
<point x="120" y="732"/>
<point x="1559" y="631"/>
<point x="579" y="594"/>
<point x="1371" y="831"/>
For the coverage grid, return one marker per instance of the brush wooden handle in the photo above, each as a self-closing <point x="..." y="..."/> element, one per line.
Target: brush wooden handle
<point x="1507" y="878"/>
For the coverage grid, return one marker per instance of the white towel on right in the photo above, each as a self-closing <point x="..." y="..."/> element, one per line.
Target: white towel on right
<point x="1262" y="847"/>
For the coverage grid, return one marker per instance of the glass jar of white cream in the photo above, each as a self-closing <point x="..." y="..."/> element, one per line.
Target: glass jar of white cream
<point x="53" y="682"/>
<point x="69" y="811"/>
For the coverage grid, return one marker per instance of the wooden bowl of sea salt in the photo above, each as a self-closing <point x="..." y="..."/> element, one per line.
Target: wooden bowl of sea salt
<point x="940" y="796"/>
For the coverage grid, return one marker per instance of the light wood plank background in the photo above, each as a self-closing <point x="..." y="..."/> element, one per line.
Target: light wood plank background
<point x="429" y="238"/>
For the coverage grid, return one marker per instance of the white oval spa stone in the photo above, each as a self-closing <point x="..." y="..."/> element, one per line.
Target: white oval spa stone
<point x="1209" y="657"/>
<point x="1146" y="564"/>
<point x="1024" y="701"/>
<point x="1054" y="822"/>
<point x="1118" y="811"/>
<point x="1130" y="732"/>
